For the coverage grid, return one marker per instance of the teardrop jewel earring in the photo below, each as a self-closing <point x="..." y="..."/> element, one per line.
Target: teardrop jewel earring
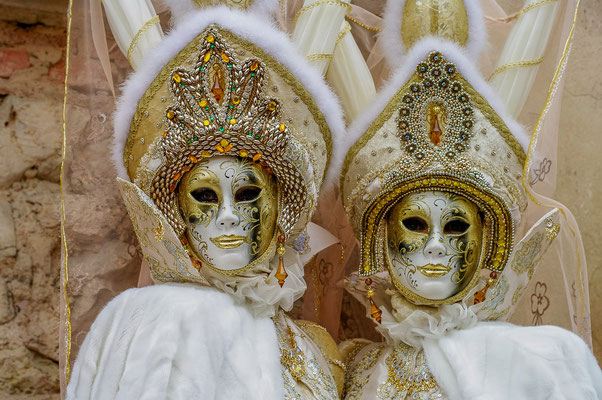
<point x="281" y="272"/>
<point x="375" y="312"/>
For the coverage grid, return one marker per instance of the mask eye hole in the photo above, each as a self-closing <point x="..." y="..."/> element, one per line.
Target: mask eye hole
<point x="204" y="195"/>
<point x="456" y="227"/>
<point x="416" y="224"/>
<point x="247" y="193"/>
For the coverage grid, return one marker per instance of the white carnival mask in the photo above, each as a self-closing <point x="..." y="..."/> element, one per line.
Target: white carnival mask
<point x="230" y="208"/>
<point x="434" y="243"/>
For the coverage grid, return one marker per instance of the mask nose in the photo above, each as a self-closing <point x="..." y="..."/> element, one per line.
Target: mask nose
<point x="435" y="246"/>
<point x="226" y="217"/>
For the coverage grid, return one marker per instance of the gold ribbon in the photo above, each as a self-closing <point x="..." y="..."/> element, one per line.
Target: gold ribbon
<point x="147" y="25"/>
<point x="516" y="64"/>
<point x="62" y="188"/>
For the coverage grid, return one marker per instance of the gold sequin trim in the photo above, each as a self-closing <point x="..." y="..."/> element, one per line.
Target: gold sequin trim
<point x="360" y="23"/>
<point x="346" y="29"/>
<point x="516" y="64"/>
<point x="318" y="3"/>
<point x="147" y="25"/>
<point x="526" y="9"/>
<point x="314" y="57"/>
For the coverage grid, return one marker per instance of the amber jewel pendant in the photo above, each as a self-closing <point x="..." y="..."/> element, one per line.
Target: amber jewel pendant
<point x="375" y="312"/>
<point x="281" y="272"/>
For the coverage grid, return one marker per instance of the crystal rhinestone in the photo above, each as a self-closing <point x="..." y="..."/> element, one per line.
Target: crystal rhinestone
<point x="450" y="69"/>
<point x="421" y="68"/>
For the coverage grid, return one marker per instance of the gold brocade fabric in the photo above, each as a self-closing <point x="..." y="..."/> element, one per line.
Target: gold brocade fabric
<point x="305" y="367"/>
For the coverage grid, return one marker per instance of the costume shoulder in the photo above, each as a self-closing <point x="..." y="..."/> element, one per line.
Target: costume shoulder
<point x="326" y="343"/>
<point x="177" y="341"/>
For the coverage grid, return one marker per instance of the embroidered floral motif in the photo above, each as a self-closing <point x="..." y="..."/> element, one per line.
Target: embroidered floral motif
<point x="539" y="303"/>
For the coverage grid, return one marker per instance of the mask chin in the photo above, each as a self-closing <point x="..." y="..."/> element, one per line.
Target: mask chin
<point x="434" y="244"/>
<point x="229" y="205"/>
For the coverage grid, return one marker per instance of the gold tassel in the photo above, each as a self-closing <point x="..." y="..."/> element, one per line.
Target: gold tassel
<point x="281" y="272"/>
<point x="375" y="312"/>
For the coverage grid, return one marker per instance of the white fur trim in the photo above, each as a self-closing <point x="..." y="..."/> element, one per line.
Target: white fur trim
<point x="177" y="341"/>
<point x="391" y="31"/>
<point x="418" y="53"/>
<point x="180" y="9"/>
<point x="254" y="29"/>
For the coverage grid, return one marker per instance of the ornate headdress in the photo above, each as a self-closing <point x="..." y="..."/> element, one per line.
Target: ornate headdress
<point x="439" y="127"/>
<point x="220" y="85"/>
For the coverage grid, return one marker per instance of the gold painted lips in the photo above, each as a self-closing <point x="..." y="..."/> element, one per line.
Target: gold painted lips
<point x="228" y="241"/>
<point x="433" y="271"/>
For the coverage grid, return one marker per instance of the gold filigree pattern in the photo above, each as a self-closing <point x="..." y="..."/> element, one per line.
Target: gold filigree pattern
<point x="408" y="376"/>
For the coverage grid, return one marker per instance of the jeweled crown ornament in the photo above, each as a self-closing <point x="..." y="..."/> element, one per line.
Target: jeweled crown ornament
<point x="220" y="108"/>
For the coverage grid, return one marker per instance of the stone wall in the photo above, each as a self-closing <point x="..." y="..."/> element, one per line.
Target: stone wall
<point x="32" y="41"/>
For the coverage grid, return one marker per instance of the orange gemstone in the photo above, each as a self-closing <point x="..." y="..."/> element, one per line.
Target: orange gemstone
<point x="480" y="296"/>
<point x="210" y="38"/>
<point x="176" y="176"/>
<point x="217" y="90"/>
<point x="203" y="103"/>
<point x="205" y="154"/>
<point x="164" y="134"/>
<point x="177" y="77"/>
<point x="243" y="153"/>
<point x="368" y="281"/>
<point x="172" y="187"/>
<point x="281" y="273"/>
<point x="228" y="148"/>
<point x="375" y="312"/>
<point x="281" y="127"/>
<point x="207" y="56"/>
<point x="193" y="159"/>
<point x="256" y="156"/>
<point x="225" y="57"/>
<point x="235" y="99"/>
<point x="272" y="105"/>
<point x="435" y="134"/>
<point x="186" y="168"/>
<point x="254" y="65"/>
<point x="170" y="114"/>
<point x="196" y="264"/>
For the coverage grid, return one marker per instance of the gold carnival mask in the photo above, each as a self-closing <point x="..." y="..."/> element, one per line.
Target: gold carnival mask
<point x="434" y="244"/>
<point x="230" y="208"/>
